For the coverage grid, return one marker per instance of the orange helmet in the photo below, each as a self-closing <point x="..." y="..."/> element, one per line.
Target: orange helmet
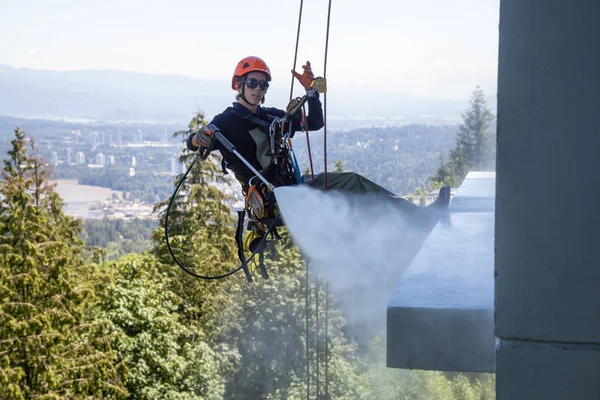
<point x="249" y="64"/>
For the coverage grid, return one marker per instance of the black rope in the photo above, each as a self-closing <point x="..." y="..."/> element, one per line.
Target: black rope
<point x="306" y="294"/>
<point x="296" y="51"/>
<point x="225" y="275"/>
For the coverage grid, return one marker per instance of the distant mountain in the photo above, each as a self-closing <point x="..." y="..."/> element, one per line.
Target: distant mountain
<point x="110" y="95"/>
<point x="122" y="95"/>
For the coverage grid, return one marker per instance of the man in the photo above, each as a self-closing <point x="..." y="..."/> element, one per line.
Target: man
<point x="246" y="125"/>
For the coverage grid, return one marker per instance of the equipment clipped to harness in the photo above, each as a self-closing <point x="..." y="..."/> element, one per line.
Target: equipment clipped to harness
<point x="245" y="262"/>
<point x="260" y="204"/>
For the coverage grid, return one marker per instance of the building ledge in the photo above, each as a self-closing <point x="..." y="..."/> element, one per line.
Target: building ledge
<point x="441" y="316"/>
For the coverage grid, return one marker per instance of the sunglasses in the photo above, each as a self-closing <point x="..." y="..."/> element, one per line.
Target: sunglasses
<point x="253" y="83"/>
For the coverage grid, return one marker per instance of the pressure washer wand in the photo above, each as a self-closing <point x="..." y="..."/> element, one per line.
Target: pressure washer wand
<point x="231" y="148"/>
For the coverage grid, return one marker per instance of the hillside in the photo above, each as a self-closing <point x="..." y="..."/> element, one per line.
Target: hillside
<point x="111" y="95"/>
<point x="397" y="158"/>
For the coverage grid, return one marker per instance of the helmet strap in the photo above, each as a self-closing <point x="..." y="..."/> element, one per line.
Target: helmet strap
<point x="243" y="97"/>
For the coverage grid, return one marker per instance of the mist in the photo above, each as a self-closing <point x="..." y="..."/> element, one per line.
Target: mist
<point x="361" y="245"/>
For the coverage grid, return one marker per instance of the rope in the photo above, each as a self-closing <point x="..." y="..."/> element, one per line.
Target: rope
<point x="166" y="231"/>
<point x="296" y="51"/>
<point x="317" y="328"/>
<point x="307" y="332"/>
<point x="307" y="292"/>
<point x="326" y="342"/>
<point x="325" y="188"/>
<point x="325" y="95"/>
<point x="312" y="171"/>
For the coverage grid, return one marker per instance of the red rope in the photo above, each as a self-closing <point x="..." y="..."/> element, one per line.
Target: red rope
<point x="312" y="172"/>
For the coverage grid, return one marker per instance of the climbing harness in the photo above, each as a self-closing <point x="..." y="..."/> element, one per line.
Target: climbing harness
<point x="243" y="266"/>
<point x="260" y="205"/>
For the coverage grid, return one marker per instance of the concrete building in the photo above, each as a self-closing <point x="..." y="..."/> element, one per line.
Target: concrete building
<point x="68" y="152"/>
<point x="80" y="157"/>
<point x="100" y="159"/>
<point x="541" y="332"/>
<point x="54" y="158"/>
<point x="92" y="138"/>
<point x="111" y="160"/>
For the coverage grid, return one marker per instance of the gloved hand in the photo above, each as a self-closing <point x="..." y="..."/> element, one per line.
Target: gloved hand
<point x="204" y="135"/>
<point x="306" y="77"/>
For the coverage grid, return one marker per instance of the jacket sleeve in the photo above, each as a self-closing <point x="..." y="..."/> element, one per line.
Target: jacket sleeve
<point x="314" y="119"/>
<point x="189" y="144"/>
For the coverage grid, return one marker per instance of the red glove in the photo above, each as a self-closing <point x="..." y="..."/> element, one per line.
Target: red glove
<point x="306" y="77"/>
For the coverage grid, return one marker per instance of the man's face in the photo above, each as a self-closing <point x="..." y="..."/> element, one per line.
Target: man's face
<point x="254" y="95"/>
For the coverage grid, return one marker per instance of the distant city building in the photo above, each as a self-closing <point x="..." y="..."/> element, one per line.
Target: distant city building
<point x="111" y="160"/>
<point x="140" y="136"/>
<point x="133" y="161"/>
<point x="110" y="138"/>
<point x="131" y="171"/>
<point x="68" y="152"/>
<point x="54" y="158"/>
<point x="93" y="137"/>
<point x="76" y="135"/>
<point x="100" y="159"/>
<point x="103" y="138"/>
<point x="119" y="136"/>
<point x="80" y="157"/>
<point x="172" y="165"/>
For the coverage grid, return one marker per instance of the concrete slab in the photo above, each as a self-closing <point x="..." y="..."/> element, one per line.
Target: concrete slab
<point x="441" y="315"/>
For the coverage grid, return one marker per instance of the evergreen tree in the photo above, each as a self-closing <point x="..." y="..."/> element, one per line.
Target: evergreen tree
<point x="202" y="237"/>
<point x="201" y="226"/>
<point x="473" y="136"/>
<point x="474" y="149"/>
<point x="266" y="324"/>
<point x="48" y="347"/>
<point x="165" y="357"/>
<point x="443" y="175"/>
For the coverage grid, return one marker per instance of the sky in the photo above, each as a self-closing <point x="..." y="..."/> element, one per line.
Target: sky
<point x="436" y="48"/>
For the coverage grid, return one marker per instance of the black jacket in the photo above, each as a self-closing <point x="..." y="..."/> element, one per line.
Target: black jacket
<point x="251" y="139"/>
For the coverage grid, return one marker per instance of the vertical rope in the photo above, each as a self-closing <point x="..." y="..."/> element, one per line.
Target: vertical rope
<point x="325" y="188"/>
<point x="317" y="333"/>
<point x="306" y="294"/>
<point x="307" y="334"/>
<point x="325" y="95"/>
<point x="296" y="51"/>
<point x="326" y="342"/>
<point x="312" y="171"/>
